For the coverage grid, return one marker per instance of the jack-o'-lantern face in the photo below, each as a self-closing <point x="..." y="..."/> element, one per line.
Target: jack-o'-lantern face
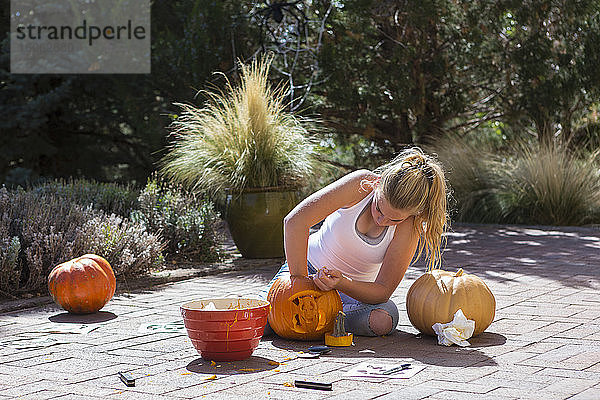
<point x="299" y="310"/>
<point x="310" y="315"/>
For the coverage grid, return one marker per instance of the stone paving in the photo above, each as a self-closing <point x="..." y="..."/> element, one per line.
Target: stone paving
<point x="543" y="344"/>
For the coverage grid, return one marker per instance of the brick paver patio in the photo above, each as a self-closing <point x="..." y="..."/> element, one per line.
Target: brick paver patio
<point x="543" y="344"/>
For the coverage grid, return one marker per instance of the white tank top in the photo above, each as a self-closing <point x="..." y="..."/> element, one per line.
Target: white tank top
<point x="337" y="245"/>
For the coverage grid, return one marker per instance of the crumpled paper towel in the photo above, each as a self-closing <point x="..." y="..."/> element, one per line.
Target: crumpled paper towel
<point x="456" y="331"/>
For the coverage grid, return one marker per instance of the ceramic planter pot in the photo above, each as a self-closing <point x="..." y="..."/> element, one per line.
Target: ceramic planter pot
<point x="255" y="219"/>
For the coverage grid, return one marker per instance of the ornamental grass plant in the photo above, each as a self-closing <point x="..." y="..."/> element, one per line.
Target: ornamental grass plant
<point x="550" y="186"/>
<point x="242" y="138"/>
<point x="472" y="176"/>
<point x="523" y="184"/>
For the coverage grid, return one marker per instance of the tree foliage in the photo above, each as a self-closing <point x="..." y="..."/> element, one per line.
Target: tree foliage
<point x="390" y="72"/>
<point x="111" y="127"/>
<point x="404" y="71"/>
<point x="545" y="57"/>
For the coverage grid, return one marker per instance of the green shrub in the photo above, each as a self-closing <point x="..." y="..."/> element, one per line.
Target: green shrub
<point x="185" y="221"/>
<point x="109" y="197"/>
<point x="39" y="231"/>
<point x="9" y="261"/>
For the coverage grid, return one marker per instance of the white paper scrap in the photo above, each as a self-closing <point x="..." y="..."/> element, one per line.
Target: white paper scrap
<point x="31" y="342"/>
<point x="370" y="369"/>
<point x="162" y="327"/>
<point x="65" y="328"/>
<point x="367" y="351"/>
<point x="456" y="331"/>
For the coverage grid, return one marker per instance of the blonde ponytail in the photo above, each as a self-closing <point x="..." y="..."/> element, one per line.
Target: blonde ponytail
<point x="415" y="182"/>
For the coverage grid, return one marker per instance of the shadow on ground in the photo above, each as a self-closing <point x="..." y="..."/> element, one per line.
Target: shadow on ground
<point x="401" y="344"/>
<point x="502" y="253"/>
<point x="95" y="318"/>
<point x="251" y="365"/>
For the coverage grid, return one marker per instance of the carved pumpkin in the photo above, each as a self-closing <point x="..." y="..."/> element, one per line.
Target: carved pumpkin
<point x="437" y="295"/>
<point x="300" y="311"/>
<point x="82" y="285"/>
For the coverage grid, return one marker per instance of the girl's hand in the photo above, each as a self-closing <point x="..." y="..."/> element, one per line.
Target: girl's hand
<point x="327" y="279"/>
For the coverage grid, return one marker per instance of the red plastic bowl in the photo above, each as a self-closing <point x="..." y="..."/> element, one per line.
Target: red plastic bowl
<point x="230" y="333"/>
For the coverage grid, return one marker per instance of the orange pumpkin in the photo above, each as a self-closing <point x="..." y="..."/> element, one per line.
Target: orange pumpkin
<point x="300" y="311"/>
<point x="82" y="285"/>
<point x="437" y="295"/>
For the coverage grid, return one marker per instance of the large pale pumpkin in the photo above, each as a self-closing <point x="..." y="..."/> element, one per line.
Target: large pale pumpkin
<point x="300" y="311"/>
<point x="82" y="285"/>
<point x="437" y="295"/>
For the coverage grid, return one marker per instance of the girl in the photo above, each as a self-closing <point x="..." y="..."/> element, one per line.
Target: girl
<point x="374" y="224"/>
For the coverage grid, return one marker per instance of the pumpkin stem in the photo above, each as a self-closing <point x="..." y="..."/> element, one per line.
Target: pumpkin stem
<point x="459" y="272"/>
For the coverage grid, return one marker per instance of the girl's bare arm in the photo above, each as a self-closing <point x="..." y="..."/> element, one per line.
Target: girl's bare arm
<point x="344" y="192"/>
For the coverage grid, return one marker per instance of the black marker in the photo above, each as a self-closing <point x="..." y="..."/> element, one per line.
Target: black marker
<point x="313" y="385"/>
<point x="396" y="369"/>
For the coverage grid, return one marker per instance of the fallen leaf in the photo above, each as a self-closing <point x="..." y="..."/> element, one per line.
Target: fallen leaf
<point x="249" y="369"/>
<point x="273" y="363"/>
<point x="212" y="363"/>
<point x="186" y="373"/>
<point x="288" y="384"/>
<point x="210" y="378"/>
<point x="275" y="370"/>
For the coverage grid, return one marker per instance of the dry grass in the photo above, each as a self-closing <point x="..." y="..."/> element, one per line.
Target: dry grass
<point x="551" y="186"/>
<point x="243" y="138"/>
<point x="471" y="173"/>
<point x="528" y="184"/>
